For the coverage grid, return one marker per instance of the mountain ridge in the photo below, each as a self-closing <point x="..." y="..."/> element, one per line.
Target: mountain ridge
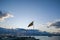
<point x="24" y="32"/>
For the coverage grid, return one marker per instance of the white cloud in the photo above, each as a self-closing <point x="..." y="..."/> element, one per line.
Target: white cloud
<point x="55" y="24"/>
<point x="4" y="16"/>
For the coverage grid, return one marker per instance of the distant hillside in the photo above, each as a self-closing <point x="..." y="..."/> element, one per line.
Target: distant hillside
<point x="24" y="32"/>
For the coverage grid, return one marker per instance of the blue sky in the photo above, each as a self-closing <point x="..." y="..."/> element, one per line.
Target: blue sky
<point x="25" y="11"/>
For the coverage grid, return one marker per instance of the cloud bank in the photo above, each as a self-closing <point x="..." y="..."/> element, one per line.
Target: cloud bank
<point x="55" y="24"/>
<point x="4" y="16"/>
<point x="52" y="27"/>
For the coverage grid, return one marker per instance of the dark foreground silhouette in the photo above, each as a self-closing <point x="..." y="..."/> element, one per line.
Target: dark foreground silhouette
<point x="17" y="38"/>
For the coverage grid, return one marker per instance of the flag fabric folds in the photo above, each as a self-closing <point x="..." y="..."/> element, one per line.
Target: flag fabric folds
<point x="31" y="24"/>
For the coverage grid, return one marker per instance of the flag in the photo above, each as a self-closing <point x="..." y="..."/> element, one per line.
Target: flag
<point x="31" y="24"/>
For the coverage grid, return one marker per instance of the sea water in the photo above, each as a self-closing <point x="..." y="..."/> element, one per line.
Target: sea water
<point x="47" y="38"/>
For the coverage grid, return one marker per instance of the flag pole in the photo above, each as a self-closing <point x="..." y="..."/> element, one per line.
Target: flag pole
<point x="33" y="28"/>
<point x="33" y="25"/>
